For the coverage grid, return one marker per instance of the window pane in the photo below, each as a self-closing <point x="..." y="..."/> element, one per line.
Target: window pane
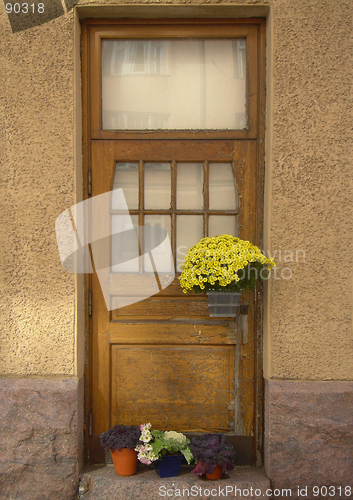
<point x="126" y="177"/>
<point x="240" y="58"/>
<point x="157" y="185"/>
<point x="161" y="253"/>
<point x="174" y="84"/>
<point x="189" y="232"/>
<point x="222" y="224"/>
<point x="125" y="250"/>
<point x="189" y="186"/>
<point x="222" y="187"/>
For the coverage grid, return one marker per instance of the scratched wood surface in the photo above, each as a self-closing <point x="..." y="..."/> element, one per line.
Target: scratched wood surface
<point x="174" y="333"/>
<point x="247" y="182"/>
<point x="172" y="318"/>
<point x="164" y="307"/>
<point x="179" y="387"/>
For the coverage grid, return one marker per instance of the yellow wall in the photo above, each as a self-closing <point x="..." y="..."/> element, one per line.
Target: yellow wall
<point x="308" y="318"/>
<point x="308" y="190"/>
<point x="38" y="296"/>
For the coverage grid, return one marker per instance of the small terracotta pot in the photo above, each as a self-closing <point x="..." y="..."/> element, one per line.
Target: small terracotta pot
<point x="216" y="474"/>
<point x="125" y="461"/>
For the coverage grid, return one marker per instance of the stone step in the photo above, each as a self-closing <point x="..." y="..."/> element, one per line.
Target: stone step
<point x="102" y="483"/>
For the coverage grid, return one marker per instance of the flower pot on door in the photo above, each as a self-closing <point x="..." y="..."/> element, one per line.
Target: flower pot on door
<point x="223" y="304"/>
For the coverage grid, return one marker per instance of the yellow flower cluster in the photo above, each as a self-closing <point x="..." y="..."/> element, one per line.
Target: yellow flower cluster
<point x="216" y="262"/>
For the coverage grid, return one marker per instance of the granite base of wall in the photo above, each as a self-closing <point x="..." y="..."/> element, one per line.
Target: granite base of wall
<point x="309" y="437"/>
<point x="41" y="438"/>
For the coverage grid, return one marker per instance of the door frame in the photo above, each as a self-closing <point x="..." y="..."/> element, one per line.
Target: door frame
<point x="255" y="132"/>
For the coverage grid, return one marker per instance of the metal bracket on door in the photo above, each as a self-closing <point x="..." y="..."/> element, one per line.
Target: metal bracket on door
<point x="89" y="183"/>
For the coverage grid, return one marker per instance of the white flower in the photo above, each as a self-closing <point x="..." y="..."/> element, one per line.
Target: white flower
<point x="146" y="457"/>
<point x="177" y="436"/>
<point x="152" y="456"/>
<point x="146" y="436"/>
<point x="145" y="427"/>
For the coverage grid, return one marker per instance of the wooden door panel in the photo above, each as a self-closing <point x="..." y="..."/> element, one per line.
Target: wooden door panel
<point x="191" y="384"/>
<point x="164" y="308"/>
<point x="163" y="359"/>
<point x="216" y="332"/>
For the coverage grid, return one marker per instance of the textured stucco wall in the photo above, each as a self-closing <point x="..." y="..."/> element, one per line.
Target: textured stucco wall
<point x="308" y="204"/>
<point x="311" y="198"/>
<point x="37" y="303"/>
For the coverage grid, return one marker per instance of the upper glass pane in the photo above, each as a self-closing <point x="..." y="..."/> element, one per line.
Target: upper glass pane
<point x="223" y="194"/>
<point x="189" y="186"/>
<point x="160" y="251"/>
<point x="223" y="224"/>
<point x="189" y="232"/>
<point x="174" y="84"/>
<point x="126" y="176"/>
<point x="125" y="251"/>
<point x="157" y="185"/>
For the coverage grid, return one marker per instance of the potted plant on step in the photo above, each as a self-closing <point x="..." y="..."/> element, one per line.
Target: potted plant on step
<point x="165" y="448"/>
<point x="212" y="454"/>
<point x="122" y="440"/>
<point x="223" y="266"/>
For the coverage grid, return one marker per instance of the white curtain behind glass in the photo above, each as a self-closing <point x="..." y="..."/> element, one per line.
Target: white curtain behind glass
<point x="174" y="84"/>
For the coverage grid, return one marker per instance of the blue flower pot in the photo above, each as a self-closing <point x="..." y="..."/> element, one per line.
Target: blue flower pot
<point x="169" y="465"/>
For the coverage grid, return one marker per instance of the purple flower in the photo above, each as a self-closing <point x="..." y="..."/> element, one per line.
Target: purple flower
<point x="120" y="436"/>
<point x="210" y="450"/>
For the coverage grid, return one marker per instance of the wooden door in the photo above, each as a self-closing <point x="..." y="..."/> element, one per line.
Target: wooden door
<point x="164" y="360"/>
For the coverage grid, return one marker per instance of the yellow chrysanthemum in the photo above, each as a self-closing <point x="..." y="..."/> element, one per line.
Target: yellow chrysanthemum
<point x="221" y="261"/>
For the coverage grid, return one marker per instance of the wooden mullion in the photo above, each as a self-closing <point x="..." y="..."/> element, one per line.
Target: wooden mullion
<point x="177" y="212"/>
<point x="141" y="185"/>
<point x="121" y="212"/>
<point x="173" y="209"/>
<point x="222" y="212"/>
<point x="152" y="211"/>
<point x="140" y="212"/>
<point x="206" y="196"/>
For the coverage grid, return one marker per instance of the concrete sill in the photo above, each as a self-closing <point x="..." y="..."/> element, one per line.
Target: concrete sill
<point x="102" y="483"/>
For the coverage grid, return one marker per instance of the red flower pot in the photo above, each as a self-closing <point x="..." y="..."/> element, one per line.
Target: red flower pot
<point x="125" y="461"/>
<point x="216" y="474"/>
